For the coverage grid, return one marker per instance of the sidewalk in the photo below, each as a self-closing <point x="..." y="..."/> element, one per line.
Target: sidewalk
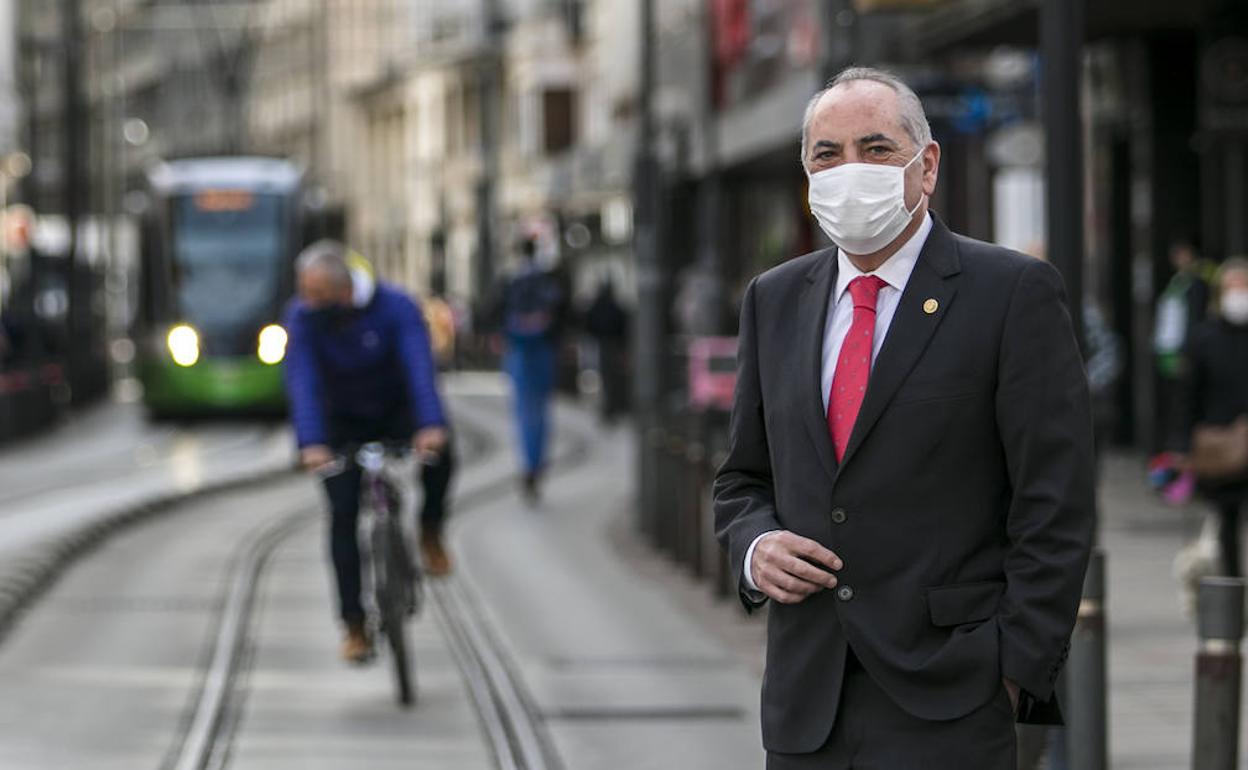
<point x="1151" y="644"/>
<point x="65" y="490"/>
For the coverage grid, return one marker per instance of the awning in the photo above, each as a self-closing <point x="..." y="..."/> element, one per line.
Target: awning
<point x="971" y="23"/>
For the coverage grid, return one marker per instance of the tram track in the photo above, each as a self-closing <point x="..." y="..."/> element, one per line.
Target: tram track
<point x="512" y="723"/>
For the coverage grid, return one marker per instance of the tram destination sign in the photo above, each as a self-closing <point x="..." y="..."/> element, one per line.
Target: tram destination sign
<point x="224" y="200"/>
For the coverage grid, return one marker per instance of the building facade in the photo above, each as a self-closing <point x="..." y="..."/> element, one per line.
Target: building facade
<point x="563" y="145"/>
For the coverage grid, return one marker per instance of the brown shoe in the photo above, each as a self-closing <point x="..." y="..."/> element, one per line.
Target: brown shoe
<point x="357" y="647"/>
<point x="436" y="560"/>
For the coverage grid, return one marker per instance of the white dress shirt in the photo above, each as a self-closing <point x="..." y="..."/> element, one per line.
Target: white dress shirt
<point x="896" y="274"/>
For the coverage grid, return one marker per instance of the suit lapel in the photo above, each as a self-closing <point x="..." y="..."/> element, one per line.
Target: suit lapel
<point x="911" y="330"/>
<point x="812" y="314"/>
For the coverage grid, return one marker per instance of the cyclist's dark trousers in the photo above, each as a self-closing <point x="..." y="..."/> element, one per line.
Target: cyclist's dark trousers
<point x="344" y="506"/>
<point x="344" y="490"/>
<point x="435" y="478"/>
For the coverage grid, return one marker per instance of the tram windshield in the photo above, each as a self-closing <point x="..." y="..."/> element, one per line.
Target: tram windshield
<point x="227" y="249"/>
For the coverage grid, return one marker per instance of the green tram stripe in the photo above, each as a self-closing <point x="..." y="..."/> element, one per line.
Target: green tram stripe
<point x="212" y="384"/>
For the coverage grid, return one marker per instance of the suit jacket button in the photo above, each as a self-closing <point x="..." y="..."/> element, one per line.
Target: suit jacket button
<point x="839" y="516"/>
<point x="844" y="593"/>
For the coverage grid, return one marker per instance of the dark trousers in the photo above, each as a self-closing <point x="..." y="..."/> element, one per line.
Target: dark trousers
<point x="611" y="370"/>
<point x="1228" y="538"/>
<point x="874" y="733"/>
<point x="343" y="491"/>
<point x="1169" y="428"/>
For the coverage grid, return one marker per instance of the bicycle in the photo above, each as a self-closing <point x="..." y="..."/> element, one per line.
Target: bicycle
<point x="396" y="577"/>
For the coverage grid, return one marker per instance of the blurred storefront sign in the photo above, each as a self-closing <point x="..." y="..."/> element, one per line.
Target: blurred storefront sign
<point x="1224" y="74"/>
<point x="866" y="6"/>
<point x="18" y="225"/>
<point x="51" y="235"/>
<point x="1020" y="144"/>
<point x="971" y="109"/>
<point x="758" y="44"/>
<point x="712" y="372"/>
<point x="617" y="220"/>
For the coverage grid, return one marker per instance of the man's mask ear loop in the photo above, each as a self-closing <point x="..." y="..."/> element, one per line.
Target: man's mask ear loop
<point x="922" y="195"/>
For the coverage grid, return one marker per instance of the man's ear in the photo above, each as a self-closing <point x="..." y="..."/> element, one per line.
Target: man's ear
<point x="931" y="168"/>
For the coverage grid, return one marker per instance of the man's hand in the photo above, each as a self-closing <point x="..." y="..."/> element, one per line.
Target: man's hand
<point x="428" y="443"/>
<point x="315" y="457"/>
<point x="1011" y="689"/>
<point x="788" y="567"/>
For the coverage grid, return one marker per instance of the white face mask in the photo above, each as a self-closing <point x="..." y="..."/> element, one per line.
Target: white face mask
<point x="1235" y="306"/>
<point x="862" y="206"/>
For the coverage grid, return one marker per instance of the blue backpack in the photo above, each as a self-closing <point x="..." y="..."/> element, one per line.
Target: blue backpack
<point x="531" y="306"/>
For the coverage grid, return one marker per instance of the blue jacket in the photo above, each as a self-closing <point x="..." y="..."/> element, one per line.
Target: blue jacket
<point x="376" y="363"/>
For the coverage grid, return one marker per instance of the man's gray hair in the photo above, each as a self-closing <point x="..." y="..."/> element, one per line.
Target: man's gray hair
<point x="1231" y="265"/>
<point x="913" y="118"/>
<point x="326" y="255"/>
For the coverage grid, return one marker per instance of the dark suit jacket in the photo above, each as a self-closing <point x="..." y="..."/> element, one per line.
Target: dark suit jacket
<point x="963" y="509"/>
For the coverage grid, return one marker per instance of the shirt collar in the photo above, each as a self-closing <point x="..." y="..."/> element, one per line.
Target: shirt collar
<point x="895" y="272"/>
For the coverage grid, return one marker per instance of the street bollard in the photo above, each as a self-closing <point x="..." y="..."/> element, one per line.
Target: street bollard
<point x="715" y="441"/>
<point x="687" y="498"/>
<point x="651" y="493"/>
<point x="723" y="570"/>
<point x="673" y="472"/>
<point x="663" y="483"/>
<point x="1220" y="624"/>
<point x="1087" y="746"/>
<point x="695" y="482"/>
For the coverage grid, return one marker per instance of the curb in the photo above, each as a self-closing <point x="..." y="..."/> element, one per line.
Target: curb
<point x="23" y="579"/>
<point x="26" y="577"/>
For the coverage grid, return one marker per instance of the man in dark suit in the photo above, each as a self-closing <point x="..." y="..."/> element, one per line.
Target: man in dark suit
<point x="909" y="477"/>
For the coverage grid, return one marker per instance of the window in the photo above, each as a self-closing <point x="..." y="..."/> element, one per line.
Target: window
<point x="558" y="119"/>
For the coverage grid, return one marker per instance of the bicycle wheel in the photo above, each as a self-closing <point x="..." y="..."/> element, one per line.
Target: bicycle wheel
<point x="393" y="592"/>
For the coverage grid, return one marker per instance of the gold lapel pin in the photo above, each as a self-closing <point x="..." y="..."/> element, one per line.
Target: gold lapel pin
<point x="931" y="306"/>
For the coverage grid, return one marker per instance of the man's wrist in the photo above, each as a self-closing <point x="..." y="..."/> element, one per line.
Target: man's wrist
<point x="747" y="575"/>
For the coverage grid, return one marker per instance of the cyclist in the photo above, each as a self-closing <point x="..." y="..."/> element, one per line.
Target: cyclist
<point x="359" y="368"/>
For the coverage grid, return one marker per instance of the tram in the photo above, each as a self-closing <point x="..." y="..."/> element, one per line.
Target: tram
<point x="218" y="244"/>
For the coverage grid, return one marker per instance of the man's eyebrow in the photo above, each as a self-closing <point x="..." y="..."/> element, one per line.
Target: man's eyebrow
<point x="871" y="138"/>
<point x="828" y="143"/>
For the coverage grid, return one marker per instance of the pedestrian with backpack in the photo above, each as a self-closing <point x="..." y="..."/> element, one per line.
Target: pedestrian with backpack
<point x="530" y="305"/>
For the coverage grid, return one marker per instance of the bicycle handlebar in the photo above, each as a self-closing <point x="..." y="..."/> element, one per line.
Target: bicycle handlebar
<point x="371" y="454"/>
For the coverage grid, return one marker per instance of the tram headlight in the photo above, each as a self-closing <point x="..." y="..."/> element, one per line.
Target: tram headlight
<point x="183" y="342"/>
<point x="271" y="348"/>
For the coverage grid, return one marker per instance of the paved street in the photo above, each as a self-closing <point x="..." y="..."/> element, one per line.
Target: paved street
<point x="110" y="459"/>
<point x="103" y="670"/>
<point x="625" y="661"/>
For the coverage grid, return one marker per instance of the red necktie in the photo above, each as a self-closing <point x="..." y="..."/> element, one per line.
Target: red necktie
<point x="853" y="365"/>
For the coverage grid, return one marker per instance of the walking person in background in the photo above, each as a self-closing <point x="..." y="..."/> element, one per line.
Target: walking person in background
<point x="607" y="322"/>
<point x="359" y="368"/>
<point x="528" y="309"/>
<point x="909" y="475"/>
<point x="1182" y="305"/>
<point x="1216" y="426"/>
<point x="440" y="319"/>
<point x="1104" y="361"/>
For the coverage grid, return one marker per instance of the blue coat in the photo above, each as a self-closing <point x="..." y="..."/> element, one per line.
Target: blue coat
<point x="377" y="363"/>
